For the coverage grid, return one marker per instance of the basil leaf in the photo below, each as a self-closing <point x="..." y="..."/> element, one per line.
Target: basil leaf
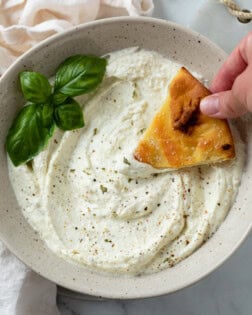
<point x="47" y="115"/>
<point x="29" y="132"/>
<point x="59" y="98"/>
<point x="35" y="87"/>
<point x="69" y="116"/>
<point x="79" y="74"/>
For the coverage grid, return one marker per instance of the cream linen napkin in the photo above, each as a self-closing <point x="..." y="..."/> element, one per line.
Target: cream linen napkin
<point x="23" y="23"/>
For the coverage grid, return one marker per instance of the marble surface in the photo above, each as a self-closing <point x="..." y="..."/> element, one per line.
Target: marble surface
<point x="228" y="290"/>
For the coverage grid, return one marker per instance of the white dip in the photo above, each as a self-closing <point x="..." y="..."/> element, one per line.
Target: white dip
<point x="92" y="203"/>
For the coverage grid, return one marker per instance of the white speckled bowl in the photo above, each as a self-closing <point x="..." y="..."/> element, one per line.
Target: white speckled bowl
<point x="101" y="37"/>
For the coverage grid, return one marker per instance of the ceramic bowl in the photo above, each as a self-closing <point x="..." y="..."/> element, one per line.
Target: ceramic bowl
<point x="100" y="37"/>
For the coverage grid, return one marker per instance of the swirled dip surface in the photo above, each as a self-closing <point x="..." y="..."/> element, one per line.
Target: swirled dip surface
<point x="92" y="203"/>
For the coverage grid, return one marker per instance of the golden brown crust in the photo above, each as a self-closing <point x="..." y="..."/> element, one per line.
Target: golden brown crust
<point x="180" y="135"/>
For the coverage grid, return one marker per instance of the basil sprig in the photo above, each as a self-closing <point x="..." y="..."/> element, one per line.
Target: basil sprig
<point x="78" y="75"/>
<point x="68" y="116"/>
<point x="29" y="132"/>
<point x="49" y="106"/>
<point x="35" y="87"/>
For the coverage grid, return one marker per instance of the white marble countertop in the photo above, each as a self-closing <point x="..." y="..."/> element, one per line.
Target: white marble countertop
<point x="228" y="290"/>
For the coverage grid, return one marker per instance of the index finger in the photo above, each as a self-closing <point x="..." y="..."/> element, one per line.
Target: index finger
<point x="235" y="64"/>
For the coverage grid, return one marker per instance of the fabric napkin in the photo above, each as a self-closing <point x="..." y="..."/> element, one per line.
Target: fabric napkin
<point x="24" y="23"/>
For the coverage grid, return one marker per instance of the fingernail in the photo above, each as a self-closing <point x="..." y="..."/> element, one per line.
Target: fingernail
<point x="210" y="105"/>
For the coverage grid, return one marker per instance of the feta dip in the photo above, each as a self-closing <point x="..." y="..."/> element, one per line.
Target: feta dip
<point x="94" y="204"/>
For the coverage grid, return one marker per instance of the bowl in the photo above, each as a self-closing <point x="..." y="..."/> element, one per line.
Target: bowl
<point x="100" y="37"/>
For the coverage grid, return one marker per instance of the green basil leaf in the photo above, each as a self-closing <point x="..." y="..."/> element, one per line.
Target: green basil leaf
<point x="59" y="98"/>
<point x="69" y="116"/>
<point x="35" y="87"/>
<point x="79" y="74"/>
<point x="47" y="115"/>
<point x="30" y="132"/>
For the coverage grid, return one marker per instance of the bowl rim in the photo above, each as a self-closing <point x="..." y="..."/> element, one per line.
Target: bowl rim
<point x="101" y="293"/>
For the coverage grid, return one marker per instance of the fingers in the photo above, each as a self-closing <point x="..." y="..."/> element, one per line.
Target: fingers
<point x="232" y="103"/>
<point x="222" y="105"/>
<point x="235" y="64"/>
<point x="232" y="85"/>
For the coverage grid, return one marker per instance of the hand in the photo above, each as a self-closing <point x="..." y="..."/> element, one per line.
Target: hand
<point x="232" y="86"/>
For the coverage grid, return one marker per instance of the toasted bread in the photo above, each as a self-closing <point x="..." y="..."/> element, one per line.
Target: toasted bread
<point x="180" y="135"/>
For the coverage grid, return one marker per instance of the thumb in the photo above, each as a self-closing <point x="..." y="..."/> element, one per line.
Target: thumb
<point x="222" y="105"/>
<point x="232" y="103"/>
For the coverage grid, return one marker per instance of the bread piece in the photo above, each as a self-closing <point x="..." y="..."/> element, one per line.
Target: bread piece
<point x="180" y="135"/>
